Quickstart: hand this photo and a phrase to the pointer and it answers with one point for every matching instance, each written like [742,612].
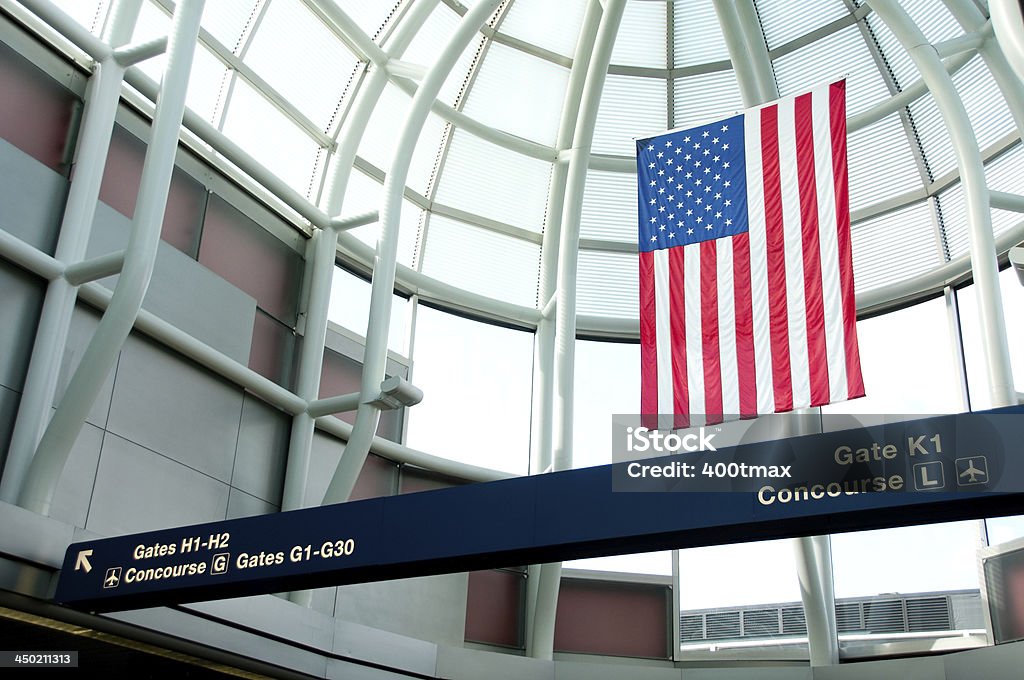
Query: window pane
[596,400]
[1013,303]
[476,382]
[720,601]
[904,560]
[908,363]
[350,307]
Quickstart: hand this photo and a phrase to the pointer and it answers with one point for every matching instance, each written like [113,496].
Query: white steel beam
[972,171]
[386,257]
[102,96]
[98,358]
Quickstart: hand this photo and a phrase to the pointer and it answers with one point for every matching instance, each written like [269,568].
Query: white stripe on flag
[727,330]
[795,303]
[835,341]
[758,263]
[694,332]
[663,302]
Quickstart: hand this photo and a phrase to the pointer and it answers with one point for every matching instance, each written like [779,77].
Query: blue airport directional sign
[589,512]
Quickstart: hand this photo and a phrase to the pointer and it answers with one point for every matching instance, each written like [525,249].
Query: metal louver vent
[793,621]
[723,625]
[931,613]
[848,617]
[760,622]
[884,616]
[691,627]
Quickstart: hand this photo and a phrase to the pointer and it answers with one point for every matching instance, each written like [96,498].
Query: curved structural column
[322,250]
[139,259]
[102,96]
[542,601]
[385,258]
[542,635]
[979,216]
[749,54]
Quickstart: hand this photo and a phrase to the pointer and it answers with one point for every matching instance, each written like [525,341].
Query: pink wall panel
[494,607]
[614,619]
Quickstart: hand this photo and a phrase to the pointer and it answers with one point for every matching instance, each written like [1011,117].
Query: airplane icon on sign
[973,470]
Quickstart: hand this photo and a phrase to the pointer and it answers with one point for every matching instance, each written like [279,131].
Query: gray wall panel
[262,450]
[752,673]
[83,325]
[926,668]
[241,504]
[31,198]
[138,490]
[324,456]
[428,608]
[467,664]
[387,649]
[9,400]
[169,405]
[183,292]
[1002,661]
[20,301]
[74,490]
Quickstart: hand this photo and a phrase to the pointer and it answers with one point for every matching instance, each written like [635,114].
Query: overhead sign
[566,515]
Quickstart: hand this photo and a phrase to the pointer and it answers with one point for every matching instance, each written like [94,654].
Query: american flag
[746,274]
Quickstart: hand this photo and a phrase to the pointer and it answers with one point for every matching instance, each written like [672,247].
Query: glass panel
[608,284]
[271,138]
[698,35]
[875,176]
[228,20]
[312,78]
[370,16]
[878,573]
[482,261]
[596,401]
[1004,529]
[488,180]
[553,26]
[630,108]
[1013,302]
[717,595]
[89,13]
[350,307]
[496,98]
[894,247]
[933,135]
[908,363]
[642,36]
[782,22]
[431,39]
[609,206]
[843,52]
[476,380]
[705,97]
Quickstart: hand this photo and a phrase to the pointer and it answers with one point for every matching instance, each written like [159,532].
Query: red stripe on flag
[709,331]
[648,341]
[680,386]
[817,356]
[745,365]
[837,117]
[778,316]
